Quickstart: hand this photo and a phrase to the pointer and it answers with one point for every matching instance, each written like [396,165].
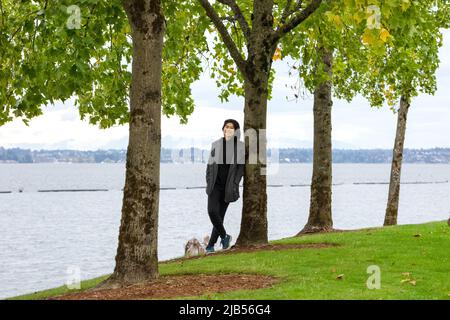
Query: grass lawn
[414,261]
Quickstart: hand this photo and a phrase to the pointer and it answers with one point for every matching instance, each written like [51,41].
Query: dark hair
[234,122]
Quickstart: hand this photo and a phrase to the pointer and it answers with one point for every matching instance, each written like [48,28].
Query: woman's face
[228,130]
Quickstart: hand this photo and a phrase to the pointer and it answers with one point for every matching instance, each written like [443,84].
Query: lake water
[44,235]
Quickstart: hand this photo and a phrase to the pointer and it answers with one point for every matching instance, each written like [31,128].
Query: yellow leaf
[337,20]
[404,280]
[367,38]
[384,34]
[277,54]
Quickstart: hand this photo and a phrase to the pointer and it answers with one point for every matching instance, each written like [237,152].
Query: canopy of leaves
[409,64]
[369,40]
[364,36]
[53,50]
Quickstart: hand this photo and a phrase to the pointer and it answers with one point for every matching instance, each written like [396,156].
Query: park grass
[414,261]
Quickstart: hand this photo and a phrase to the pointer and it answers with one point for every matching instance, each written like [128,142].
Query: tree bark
[254,209]
[261,48]
[396,166]
[320,211]
[137,257]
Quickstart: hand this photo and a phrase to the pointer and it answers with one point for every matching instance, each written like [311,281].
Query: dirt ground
[167,287]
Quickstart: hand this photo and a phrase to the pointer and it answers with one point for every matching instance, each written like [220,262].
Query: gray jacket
[236,171]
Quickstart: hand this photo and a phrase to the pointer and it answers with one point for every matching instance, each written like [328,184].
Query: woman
[224,171]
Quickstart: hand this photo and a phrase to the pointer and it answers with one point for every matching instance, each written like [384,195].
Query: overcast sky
[290,123]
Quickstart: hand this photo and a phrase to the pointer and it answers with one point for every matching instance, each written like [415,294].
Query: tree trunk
[254,210]
[396,167]
[320,217]
[261,48]
[137,258]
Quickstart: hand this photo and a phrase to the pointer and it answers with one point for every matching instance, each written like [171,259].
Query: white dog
[194,248]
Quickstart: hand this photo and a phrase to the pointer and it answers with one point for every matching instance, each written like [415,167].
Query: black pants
[216,210]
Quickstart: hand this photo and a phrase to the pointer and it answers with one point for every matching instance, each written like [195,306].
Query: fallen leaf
[417,235]
[340,276]
[406,274]
[404,280]
[413,282]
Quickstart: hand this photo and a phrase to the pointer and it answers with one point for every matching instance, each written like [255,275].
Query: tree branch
[20,27]
[296,20]
[228,18]
[3,14]
[286,12]
[298,5]
[228,41]
[287,9]
[239,16]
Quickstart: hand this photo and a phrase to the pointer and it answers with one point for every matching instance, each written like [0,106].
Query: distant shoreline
[196,155]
